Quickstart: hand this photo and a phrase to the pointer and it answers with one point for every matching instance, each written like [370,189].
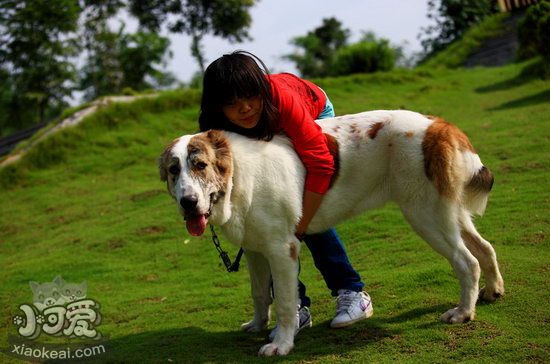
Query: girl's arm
[311,203]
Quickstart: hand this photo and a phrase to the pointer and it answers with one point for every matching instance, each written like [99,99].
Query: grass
[88,204]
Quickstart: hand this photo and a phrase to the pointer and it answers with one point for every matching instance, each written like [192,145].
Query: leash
[231,267]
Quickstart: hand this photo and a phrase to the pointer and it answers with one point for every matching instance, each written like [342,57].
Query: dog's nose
[189,202]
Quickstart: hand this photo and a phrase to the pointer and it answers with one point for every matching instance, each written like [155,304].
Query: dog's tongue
[196,224]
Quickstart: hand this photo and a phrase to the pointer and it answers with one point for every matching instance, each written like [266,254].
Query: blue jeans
[329,254]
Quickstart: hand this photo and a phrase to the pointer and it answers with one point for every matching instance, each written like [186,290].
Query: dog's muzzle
[195,221]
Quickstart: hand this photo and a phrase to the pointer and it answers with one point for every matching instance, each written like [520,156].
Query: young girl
[240,96]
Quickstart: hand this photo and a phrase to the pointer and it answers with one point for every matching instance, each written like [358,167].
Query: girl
[240,96]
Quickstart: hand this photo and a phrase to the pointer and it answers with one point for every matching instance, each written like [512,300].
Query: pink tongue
[196,224]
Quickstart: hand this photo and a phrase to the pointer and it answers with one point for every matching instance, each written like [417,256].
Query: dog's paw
[274,349]
[457,316]
[491,294]
[254,326]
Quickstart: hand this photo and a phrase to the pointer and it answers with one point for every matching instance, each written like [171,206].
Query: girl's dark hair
[237,75]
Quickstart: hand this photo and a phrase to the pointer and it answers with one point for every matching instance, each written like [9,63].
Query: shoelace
[343,302]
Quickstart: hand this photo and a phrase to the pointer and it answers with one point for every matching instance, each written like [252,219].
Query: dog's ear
[163,169]
[164,159]
[217,138]
[220,144]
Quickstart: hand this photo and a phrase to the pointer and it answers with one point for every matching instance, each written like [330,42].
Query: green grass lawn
[88,204]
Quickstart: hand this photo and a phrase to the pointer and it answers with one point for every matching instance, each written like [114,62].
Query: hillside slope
[87,204]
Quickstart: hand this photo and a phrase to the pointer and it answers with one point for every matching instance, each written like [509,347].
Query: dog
[253,190]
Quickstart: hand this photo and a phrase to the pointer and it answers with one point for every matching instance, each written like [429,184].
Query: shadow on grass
[419,312]
[538,98]
[505,85]
[196,345]
[530,72]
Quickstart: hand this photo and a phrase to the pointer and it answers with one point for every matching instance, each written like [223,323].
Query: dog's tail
[455,169]
[477,191]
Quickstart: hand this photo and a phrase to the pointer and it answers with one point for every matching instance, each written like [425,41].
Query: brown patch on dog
[209,156]
[374,129]
[409,134]
[353,129]
[293,252]
[333,148]
[439,147]
[165,159]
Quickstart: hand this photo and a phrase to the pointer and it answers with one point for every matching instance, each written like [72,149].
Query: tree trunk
[196,51]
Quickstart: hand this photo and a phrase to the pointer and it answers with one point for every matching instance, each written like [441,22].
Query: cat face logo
[56,293]
[59,308]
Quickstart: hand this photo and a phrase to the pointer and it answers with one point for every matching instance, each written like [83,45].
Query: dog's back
[400,156]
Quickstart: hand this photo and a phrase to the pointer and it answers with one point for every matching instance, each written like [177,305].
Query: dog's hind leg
[437,224]
[260,282]
[486,256]
[283,260]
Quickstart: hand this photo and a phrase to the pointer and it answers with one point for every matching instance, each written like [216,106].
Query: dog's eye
[201,165]
[174,170]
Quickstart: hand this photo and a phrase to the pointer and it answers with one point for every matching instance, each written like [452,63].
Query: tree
[534,32]
[117,61]
[368,55]
[37,40]
[100,75]
[318,47]
[452,18]
[139,54]
[228,19]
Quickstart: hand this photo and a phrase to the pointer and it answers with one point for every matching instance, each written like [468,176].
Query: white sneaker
[303,320]
[351,307]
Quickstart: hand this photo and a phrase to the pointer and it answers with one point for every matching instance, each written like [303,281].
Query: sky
[276,22]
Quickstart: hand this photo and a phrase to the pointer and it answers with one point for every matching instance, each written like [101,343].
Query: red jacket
[299,103]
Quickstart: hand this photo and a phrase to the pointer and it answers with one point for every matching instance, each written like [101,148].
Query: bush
[364,57]
[534,32]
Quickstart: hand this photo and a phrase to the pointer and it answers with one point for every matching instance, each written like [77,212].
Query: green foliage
[101,215]
[318,47]
[456,53]
[142,56]
[364,57]
[37,39]
[325,52]
[452,19]
[117,61]
[534,31]
[228,19]
[39,45]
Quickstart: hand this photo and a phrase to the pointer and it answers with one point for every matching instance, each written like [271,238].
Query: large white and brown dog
[253,190]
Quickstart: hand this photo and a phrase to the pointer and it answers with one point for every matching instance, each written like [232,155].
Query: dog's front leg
[283,260]
[260,282]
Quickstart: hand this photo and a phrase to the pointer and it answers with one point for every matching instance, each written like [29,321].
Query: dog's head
[198,169]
